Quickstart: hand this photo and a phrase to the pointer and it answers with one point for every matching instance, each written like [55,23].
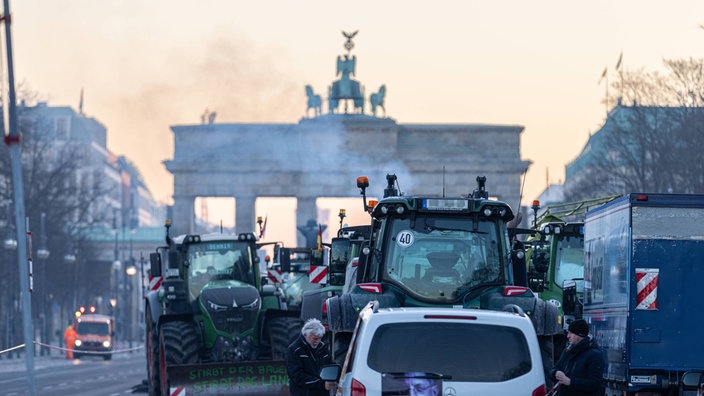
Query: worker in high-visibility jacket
[69,339]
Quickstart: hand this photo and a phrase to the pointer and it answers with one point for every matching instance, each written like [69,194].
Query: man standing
[69,339]
[304,359]
[579,370]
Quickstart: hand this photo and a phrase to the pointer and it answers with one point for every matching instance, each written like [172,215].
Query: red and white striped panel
[275,276]
[155,283]
[647,288]
[177,392]
[318,274]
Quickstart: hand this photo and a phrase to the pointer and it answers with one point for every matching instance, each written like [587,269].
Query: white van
[441,352]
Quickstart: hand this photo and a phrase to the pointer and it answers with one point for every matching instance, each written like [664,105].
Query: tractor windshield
[569,260]
[439,257]
[219,260]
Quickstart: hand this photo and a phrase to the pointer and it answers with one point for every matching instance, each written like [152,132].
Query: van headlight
[106,344]
[78,343]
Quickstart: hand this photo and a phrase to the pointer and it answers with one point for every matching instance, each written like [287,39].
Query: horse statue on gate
[377,100]
[314,101]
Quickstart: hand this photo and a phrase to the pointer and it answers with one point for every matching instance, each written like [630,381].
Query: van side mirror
[330,372]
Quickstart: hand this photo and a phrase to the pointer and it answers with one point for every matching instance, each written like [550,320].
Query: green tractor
[344,251]
[212,312]
[555,254]
[436,251]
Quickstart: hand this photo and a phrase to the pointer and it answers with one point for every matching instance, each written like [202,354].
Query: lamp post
[130,271]
[9,243]
[115,301]
[69,259]
[42,255]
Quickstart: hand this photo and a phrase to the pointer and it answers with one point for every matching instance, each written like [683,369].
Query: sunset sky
[147,65]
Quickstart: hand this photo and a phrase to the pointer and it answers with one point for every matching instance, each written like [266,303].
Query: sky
[147,65]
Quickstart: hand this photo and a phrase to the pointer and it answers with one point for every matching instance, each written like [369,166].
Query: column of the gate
[183,221]
[244,213]
[306,210]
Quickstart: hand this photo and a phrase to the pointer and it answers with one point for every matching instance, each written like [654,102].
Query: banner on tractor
[247,378]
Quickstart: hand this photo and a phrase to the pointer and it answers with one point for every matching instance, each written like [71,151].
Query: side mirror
[691,380]
[330,372]
[155,264]
[569,297]
[285,259]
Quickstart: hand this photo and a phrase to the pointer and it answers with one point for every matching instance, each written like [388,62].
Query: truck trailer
[644,263]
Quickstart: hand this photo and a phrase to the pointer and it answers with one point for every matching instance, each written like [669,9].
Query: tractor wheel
[340,345]
[152,347]
[282,332]
[178,344]
[546,351]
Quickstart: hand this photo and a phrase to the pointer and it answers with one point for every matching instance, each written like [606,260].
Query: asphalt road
[89,376]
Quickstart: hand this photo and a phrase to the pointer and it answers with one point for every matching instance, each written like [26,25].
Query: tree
[653,145]
[58,184]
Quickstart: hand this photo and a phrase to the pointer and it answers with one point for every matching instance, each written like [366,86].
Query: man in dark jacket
[304,359]
[580,368]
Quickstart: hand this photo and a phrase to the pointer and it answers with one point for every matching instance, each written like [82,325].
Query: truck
[643,270]
[213,323]
[95,335]
[437,251]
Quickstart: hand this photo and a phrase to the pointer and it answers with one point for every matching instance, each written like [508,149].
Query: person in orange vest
[69,339]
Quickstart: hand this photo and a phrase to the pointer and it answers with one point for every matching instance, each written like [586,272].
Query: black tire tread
[283,331]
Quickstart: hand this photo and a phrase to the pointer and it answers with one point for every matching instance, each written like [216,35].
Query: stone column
[306,211]
[244,214]
[183,215]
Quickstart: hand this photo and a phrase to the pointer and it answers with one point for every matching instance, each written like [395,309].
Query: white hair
[313,326]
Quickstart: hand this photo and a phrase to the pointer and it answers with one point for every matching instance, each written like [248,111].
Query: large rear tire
[340,346]
[152,348]
[283,331]
[547,353]
[178,344]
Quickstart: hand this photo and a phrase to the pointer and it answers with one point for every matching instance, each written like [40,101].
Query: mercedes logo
[450,392]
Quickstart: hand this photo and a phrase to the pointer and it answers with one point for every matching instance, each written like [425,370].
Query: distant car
[441,351]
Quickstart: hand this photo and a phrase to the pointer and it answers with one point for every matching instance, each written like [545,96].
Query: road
[90,376]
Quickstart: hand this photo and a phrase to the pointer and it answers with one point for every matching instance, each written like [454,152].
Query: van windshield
[93,328]
[462,352]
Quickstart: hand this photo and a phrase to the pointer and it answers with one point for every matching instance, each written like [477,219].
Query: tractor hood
[233,306]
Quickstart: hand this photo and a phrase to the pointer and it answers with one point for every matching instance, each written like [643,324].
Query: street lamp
[42,255]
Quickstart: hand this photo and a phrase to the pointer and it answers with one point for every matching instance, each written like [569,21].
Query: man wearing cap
[579,370]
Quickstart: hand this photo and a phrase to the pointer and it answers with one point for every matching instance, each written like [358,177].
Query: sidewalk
[11,363]
[40,362]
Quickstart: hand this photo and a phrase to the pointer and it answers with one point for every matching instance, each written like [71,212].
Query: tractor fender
[312,303]
[546,318]
[152,302]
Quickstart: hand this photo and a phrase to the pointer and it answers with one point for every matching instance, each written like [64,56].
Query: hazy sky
[147,65]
